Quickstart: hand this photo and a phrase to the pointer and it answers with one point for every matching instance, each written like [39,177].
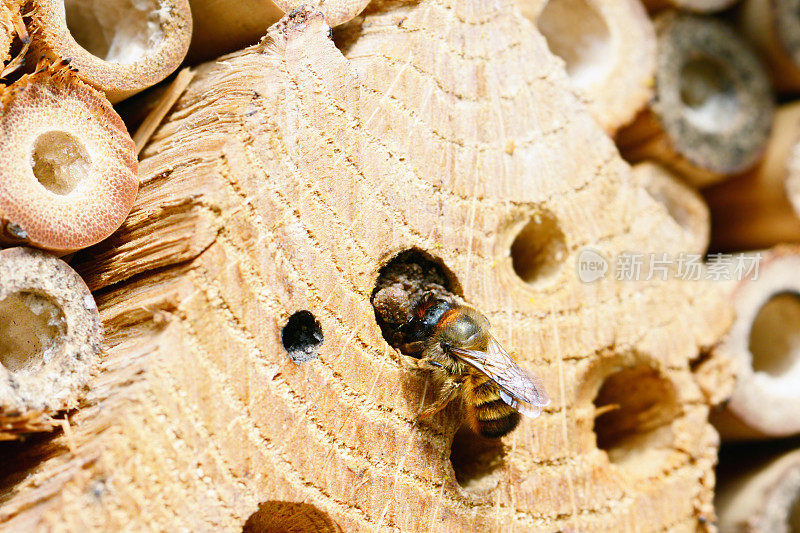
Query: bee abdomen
[490,415]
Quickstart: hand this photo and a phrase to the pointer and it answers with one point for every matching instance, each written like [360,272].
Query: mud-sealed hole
[539,249]
[477,461]
[289,517]
[32,329]
[635,408]
[775,336]
[400,288]
[579,35]
[302,337]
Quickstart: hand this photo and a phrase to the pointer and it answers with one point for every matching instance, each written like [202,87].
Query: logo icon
[591,266]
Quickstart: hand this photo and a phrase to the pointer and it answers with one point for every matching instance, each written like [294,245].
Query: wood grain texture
[296,171]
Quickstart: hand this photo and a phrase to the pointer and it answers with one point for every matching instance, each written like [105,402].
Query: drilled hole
[477,461]
[636,406]
[775,335]
[289,517]
[400,287]
[122,31]
[577,33]
[708,93]
[302,337]
[32,328]
[539,250]
[59,161]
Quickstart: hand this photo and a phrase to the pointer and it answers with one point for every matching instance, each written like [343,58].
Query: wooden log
[68,175]
[774,29]
[761,208]
[51,340]
[283,181]
[765,345]
[759,492]
[712,110]
[609,51]
[118,47]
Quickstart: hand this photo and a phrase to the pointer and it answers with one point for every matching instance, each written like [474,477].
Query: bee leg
[446,394]
[411,362]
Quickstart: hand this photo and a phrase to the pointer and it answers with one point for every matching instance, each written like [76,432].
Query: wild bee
[453,341]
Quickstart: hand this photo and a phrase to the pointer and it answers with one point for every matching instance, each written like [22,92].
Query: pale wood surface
[284,178]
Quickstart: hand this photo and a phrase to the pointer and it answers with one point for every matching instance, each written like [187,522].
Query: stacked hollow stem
[68,176]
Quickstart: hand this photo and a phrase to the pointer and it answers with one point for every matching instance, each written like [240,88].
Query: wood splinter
[609,50]
[118,47]
[761,208]
[49,340]
[764,341]
[712,110]
[68,169]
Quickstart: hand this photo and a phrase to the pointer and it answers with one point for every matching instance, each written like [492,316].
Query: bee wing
[518,388]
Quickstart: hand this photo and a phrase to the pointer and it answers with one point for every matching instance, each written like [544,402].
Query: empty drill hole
[577,33]
[282,517]
[123,31]
[59,161]
[31,331]
[637,406]
[302,337]
[775,335]
[539,249]
[708,93]
[477,461]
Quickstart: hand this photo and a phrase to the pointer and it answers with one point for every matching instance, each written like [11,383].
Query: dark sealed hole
[539,248]
[775,335]
[302,337]
[289,517]
[635,408]
[401,286]
[477,461]
[708,93]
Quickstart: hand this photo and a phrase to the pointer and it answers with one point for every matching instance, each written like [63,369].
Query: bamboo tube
[760,494]
[609,50]
[764,341]
[221,26]
[712,111]
[683,204]
[697,6]
[118,47]
[68,173]
[773,27]
[49,340]
[762,207]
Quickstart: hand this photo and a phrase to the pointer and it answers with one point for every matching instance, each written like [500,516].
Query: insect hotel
[399,265]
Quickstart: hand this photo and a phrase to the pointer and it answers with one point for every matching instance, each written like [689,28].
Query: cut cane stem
[49,340]
[773,27]
[609,50]
[713,107]
[764,343]
[118,47]
[68,176]
[762,207]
